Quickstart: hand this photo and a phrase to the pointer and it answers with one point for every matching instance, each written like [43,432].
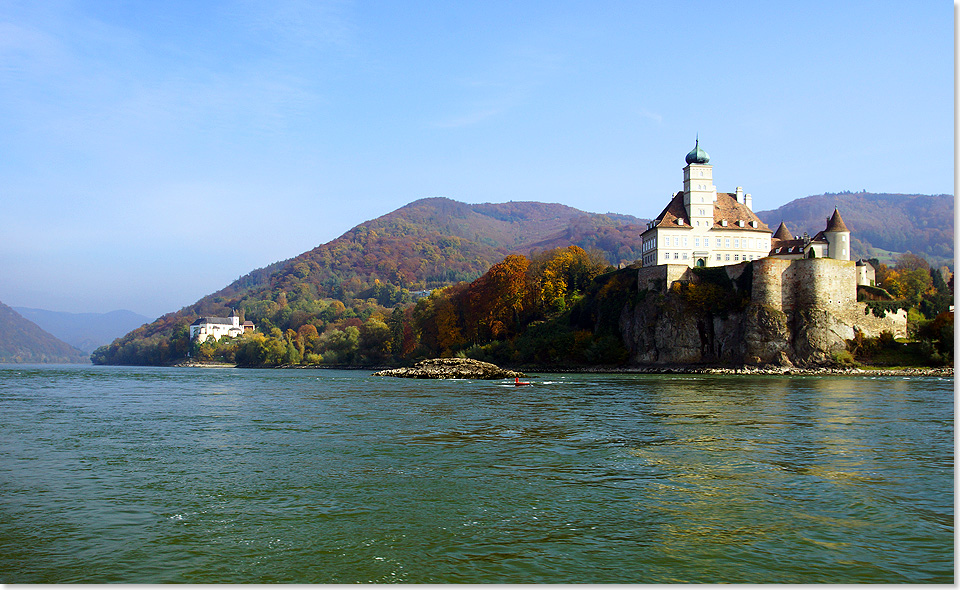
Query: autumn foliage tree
[505,300]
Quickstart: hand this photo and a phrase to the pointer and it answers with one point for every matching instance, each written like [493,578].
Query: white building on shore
[217,328]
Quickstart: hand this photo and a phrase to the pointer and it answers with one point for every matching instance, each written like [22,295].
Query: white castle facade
[217,328]
[703,227]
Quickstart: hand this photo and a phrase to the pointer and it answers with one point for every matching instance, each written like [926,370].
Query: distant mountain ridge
[879,222]
[85,331]
[22,341]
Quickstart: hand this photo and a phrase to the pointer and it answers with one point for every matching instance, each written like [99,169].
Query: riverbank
[660,370]
[818,371]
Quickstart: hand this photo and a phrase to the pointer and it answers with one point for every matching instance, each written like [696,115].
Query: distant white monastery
[701,227]
[216,328]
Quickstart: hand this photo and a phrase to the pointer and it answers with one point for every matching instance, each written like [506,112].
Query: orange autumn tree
[491,305]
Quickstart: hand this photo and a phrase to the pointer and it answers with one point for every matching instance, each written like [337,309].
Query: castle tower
[783,233]
[838,237]
[699,193]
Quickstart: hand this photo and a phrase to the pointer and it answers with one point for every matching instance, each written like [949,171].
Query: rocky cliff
[712,317]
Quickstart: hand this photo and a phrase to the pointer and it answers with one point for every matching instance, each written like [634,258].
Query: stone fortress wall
[823,283]
[795,288]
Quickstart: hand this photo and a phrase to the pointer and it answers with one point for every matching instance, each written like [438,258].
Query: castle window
[696,242]
[718,244]
[676,255]
[718,257]
[736,258]
[736,243]
[685,241]
[684,255]
[727,242]
[726,257]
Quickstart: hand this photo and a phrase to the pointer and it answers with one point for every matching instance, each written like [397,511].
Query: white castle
[701,227]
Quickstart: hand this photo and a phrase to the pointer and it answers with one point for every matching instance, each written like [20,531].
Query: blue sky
[152,152]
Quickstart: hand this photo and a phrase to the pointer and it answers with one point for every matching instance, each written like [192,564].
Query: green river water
[151,475]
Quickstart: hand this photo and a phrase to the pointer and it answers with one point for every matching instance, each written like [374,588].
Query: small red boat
[518,383]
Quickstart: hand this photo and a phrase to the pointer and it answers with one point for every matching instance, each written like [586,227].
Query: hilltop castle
[701,227]
[802,290]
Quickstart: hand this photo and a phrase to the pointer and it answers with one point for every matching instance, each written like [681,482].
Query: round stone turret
[697,155]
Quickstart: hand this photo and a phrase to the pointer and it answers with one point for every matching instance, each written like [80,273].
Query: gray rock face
[664,331]
[452,368]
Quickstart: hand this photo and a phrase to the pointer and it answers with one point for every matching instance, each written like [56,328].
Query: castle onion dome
[697,155]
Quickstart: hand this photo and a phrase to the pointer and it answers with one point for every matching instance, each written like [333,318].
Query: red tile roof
[726,208]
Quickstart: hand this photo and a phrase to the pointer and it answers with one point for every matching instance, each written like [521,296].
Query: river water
[148,475]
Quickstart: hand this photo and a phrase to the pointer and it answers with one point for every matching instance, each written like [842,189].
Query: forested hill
[22,341]
[429,243]
[432,243]
[437,241]
[350,287]
[879,222]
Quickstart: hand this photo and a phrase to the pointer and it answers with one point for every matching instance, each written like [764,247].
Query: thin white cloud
[655,117]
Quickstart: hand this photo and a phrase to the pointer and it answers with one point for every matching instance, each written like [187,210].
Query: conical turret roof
[783,233]
[836,222]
